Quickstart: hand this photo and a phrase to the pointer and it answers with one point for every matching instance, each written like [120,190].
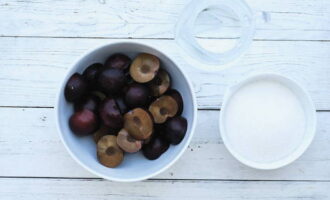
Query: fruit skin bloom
[83,122]
[111,81]
[75,88]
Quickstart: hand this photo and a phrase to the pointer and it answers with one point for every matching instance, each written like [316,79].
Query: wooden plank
[285,20]
[32,68]
[156,190]
[30,147]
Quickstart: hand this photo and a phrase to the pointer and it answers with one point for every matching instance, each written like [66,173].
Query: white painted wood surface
[288,20]
[32,148]
[39,40]
[32,68]
[154,190]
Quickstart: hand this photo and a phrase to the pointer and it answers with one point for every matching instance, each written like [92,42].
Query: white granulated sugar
[264,121]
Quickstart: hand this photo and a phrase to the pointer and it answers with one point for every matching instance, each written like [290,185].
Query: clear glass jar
[231,19]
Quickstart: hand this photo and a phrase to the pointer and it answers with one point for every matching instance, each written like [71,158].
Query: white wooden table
[39,39]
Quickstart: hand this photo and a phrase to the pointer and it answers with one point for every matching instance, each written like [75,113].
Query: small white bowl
[134,167]
[310,115]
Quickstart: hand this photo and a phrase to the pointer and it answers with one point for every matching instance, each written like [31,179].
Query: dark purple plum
[83,122]
[175,129]
[75,88]
[121,105]
[128,77]
[110,114]
[90,102]
[111,81]
[159,130]
[118,61]
[178,98]
[137,95]
[155,148]
[91,72]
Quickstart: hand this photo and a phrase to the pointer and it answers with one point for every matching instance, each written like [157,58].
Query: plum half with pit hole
[127,143]
[108,152]
[110,114]
[111,81]
[160,83]
[144,67]
[83,122]
[175,129]
[163,108]
[118,61]
[90,102]
[137,95]
[91,72]
[178,98]
[138,123]
[155,148]
[128,105]
[75,88]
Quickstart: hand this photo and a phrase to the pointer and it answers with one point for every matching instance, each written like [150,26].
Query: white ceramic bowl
[134,167]
[310,124]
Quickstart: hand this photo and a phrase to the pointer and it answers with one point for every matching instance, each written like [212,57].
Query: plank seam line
[146,38]
[157,179]
[51,107]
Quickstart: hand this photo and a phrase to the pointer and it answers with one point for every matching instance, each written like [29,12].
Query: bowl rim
[69,72]
[305,143]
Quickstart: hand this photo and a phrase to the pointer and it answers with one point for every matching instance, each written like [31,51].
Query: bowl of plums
[126,111]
